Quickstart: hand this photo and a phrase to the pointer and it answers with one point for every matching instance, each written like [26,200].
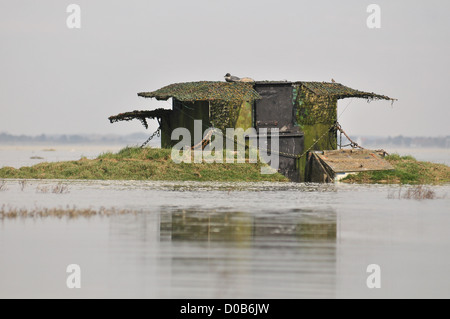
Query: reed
[419,192]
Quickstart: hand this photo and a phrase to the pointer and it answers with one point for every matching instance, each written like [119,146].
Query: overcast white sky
[66,81]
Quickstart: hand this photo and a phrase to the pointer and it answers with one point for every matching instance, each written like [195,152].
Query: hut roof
[205,91]
[340,91]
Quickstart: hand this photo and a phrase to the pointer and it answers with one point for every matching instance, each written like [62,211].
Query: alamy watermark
[74,279]
[374,279]
[264,140]
[374,19]
[73,21]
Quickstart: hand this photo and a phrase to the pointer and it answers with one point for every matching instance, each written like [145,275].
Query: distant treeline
[403,141]
[139,138]
[136,138]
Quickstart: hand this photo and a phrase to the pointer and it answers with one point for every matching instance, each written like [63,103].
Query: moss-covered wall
[244,119]
[315,115]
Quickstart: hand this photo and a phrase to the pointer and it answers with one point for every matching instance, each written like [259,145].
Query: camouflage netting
[142,116]
[339,91]
[314,109]
[224,114]
[205,91]
[316,102]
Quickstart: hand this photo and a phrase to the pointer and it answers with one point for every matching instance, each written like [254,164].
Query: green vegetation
[132,163]
[407,171]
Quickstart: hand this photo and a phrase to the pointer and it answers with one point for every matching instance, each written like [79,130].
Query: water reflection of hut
[192,225]
[205,253]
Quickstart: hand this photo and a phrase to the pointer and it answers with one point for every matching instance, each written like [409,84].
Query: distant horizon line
[150,132]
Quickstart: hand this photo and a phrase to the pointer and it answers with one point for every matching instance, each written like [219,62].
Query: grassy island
[133,163]
[407,171]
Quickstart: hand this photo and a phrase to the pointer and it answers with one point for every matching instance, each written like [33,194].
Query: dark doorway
[274,109]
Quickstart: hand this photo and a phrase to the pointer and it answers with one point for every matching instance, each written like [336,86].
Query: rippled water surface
[225,240]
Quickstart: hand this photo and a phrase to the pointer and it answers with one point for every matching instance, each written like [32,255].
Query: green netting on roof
[205,91]
[340,91]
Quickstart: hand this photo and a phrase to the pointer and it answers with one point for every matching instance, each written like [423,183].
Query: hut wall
[183,115]
[166,132]
[244,119]
[315,115]
[222,115]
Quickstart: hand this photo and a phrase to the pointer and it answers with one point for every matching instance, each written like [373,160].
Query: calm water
[226,240]
[23,155]
[222,240]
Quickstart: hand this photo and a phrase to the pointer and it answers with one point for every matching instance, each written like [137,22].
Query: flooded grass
[407,170]
[3,185]
[419,192]
[69,212]
[59,188]
[22,184]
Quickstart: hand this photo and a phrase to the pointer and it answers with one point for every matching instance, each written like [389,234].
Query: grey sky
[57,80]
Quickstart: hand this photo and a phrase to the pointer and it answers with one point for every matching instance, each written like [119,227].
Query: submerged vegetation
[60,188]
[407,170]
[3,186]
[418,192]
[133,163]
[69,212]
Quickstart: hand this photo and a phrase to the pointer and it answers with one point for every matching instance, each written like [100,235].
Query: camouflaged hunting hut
[304,112]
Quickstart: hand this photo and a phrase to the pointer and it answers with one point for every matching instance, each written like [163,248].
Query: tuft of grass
[3,186]
[407,170]
[419,192]
[59,188]
[134,163]
[22,184]
[42,189]
[397,157]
